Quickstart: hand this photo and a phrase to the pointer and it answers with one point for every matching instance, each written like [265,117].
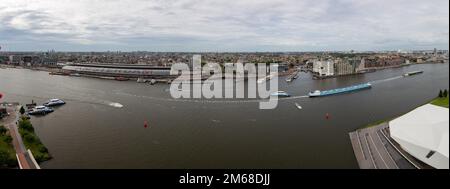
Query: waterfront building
[349,66]
[324,68]
[110,70]
[343,68]
[424,134]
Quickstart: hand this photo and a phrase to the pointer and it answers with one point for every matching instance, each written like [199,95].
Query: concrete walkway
[375,149]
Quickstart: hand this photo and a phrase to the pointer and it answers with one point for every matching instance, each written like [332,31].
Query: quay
[375,149]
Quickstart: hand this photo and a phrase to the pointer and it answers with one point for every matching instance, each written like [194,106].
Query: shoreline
[25,142]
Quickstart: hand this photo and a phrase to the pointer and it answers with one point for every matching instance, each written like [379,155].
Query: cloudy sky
[223,25]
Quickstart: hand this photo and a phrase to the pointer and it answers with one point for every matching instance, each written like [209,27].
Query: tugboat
[54,102]
[40,110]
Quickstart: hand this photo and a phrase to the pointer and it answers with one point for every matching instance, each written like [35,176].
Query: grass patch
[7,152]
[32,141]
[377,123]
[443,102]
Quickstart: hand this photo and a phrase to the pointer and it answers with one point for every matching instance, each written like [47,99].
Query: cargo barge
[340,90]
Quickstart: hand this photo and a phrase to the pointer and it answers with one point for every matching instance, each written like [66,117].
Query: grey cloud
[249,25]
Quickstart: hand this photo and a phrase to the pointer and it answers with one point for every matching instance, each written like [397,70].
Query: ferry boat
[40,110]
[319,93]
[280,94]
[54,102]
[412,73]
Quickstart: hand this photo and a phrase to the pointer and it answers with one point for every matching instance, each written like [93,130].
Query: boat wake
[386,80]
[206,100]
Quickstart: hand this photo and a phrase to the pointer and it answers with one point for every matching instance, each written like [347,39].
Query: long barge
[412,73]
[353,88]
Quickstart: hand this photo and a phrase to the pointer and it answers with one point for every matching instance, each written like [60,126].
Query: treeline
[7,152]
[32,141]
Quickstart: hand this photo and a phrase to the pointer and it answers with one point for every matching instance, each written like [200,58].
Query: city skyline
[221,26]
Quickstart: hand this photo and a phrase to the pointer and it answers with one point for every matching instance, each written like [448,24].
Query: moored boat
[40,110]
[121,79]
[54,102]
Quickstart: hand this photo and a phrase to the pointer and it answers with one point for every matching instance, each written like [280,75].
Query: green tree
[445,93]
[2,130]
[4,158]
[42,149]
[26,125]
[29,138]
[22,110]
[8,139]
[441,94]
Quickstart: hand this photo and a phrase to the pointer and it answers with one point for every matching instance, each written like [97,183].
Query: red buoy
[1,95]
[145,124]
[327,116]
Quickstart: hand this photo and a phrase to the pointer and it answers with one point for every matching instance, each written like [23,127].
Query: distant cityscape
[144,64]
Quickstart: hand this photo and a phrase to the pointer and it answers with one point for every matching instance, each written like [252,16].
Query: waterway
[102,124]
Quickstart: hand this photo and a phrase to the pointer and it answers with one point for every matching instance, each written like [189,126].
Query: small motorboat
[280,94]
[298,106]
[54,102]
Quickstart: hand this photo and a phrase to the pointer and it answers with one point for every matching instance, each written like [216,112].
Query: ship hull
[341,90]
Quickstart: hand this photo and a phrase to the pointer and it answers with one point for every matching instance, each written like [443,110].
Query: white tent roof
[423,130]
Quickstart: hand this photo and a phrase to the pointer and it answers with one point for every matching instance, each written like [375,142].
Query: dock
[375,149]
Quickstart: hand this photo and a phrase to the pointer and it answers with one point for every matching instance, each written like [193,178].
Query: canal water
[102,125]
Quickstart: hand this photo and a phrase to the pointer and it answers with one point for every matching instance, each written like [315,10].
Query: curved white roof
[424,133]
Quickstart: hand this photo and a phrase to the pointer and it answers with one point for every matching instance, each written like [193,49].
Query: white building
[324,68]
[423,133]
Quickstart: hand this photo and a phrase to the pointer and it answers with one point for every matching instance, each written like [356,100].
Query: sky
[223,25]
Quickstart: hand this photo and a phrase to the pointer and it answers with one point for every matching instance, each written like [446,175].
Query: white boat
[141,80]
[298,106]
[40,110]
[54,102]
[280,94]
